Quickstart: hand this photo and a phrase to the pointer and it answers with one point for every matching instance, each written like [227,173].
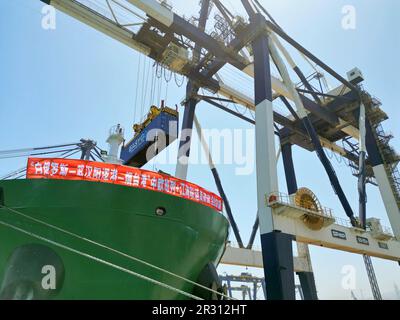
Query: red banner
[69,169]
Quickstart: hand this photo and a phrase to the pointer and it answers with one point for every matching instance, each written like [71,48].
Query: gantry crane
[318,120]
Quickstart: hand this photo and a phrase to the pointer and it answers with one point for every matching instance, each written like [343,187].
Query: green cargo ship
[91,235]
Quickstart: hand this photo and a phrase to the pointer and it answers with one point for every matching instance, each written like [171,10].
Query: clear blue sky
[74,82]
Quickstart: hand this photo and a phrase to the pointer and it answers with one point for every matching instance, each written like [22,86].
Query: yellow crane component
[153,113]
[306,199]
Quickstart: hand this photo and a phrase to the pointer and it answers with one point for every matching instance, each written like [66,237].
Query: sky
[57,86]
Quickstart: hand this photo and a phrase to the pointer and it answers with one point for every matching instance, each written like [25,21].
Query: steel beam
[288,166]
[253,233]
[335,236]
[220,106]
[166,18]
[295,67]
[385,189]
[190,105]
[312,133]
[253,258]
[276,246]
[186,132]
[278,265]
[307,280]
[218,183]
[309,55]
[93,19]
[362,170]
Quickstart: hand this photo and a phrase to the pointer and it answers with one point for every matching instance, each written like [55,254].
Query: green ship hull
[78,226]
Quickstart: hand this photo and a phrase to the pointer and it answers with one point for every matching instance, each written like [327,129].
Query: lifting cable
[152,86]
[157,76]
[166,91]
[266,13]
[168,79]
[226,105]
[179,84]
[38,148]
[338,158]
[35,154]
[13,173]
[64,154]
[110,249]
[253,116]
[137,87]
[144,87]
[160,82]
[159,70]
[22,171]
[98,151]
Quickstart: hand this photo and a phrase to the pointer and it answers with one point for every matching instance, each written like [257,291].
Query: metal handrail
[287,200]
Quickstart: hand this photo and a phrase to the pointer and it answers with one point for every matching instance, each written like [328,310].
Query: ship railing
[116,130]
[385,229]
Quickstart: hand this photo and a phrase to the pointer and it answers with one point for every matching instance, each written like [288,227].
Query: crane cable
[179,84]
[145,82]
[38,148]
[168,79]
[35,154]
[137,87]
[149,67]
[160,83]
[17,212]
[17,173]
[152,86]
[166,91]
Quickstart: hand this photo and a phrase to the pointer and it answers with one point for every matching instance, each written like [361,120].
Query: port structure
[249,285]
[345,120]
